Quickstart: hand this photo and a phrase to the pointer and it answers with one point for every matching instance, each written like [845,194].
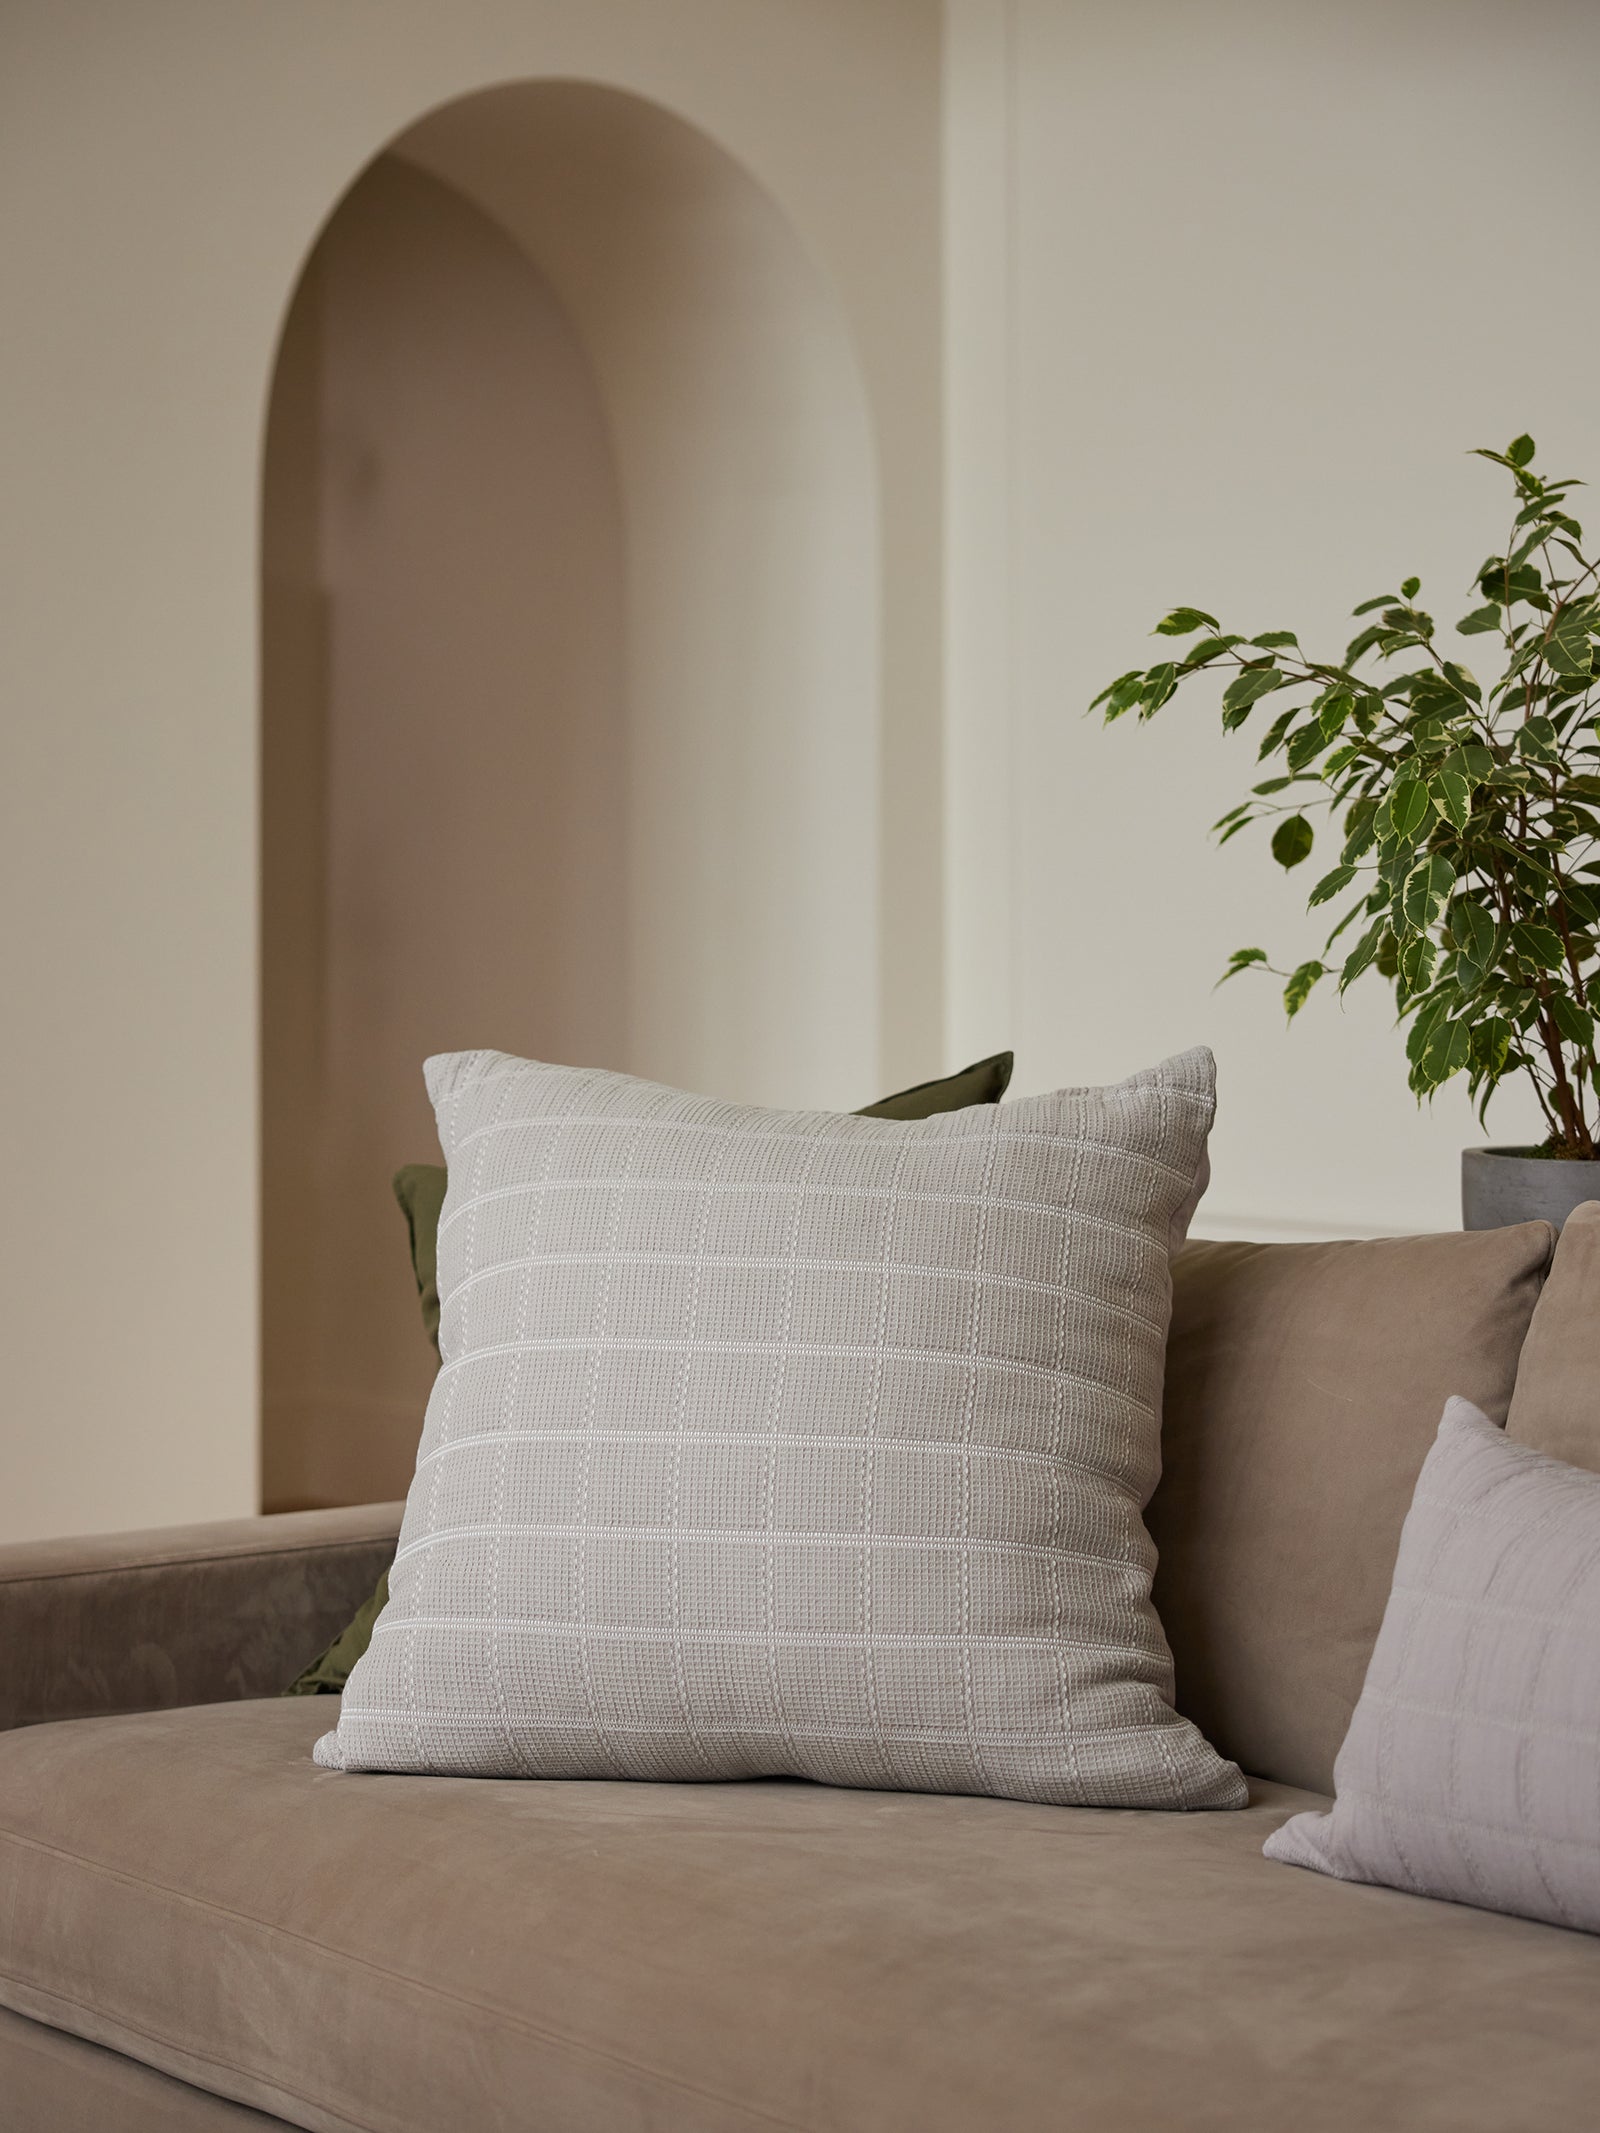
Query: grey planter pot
[1501,1185]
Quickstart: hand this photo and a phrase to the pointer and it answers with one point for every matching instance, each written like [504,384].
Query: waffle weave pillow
[1470,1768]
[778,1442]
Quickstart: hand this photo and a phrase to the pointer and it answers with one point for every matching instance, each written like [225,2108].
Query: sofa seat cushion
[403,1953]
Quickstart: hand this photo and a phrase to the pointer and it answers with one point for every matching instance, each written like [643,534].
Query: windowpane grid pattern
[1471,1769]
[793,1443]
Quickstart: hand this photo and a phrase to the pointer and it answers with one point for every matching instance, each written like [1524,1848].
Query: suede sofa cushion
[783,1442]
[420,1190]
[1469,1771]
[1555,1407]
[424,1955]
[53,2082]
[1304,1386]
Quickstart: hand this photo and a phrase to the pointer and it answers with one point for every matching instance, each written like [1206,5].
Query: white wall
[1234,287]
[164,171]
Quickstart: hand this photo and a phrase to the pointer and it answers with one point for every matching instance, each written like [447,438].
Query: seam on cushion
[193,1562]
[604,2053]
[177,2050]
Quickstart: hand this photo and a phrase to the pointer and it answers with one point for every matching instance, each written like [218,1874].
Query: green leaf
[1209,648]
[1360,829]
[1241,959]
[1540,945]
[1536,739]
[1463,681]
[1406,810]
[1305,746]
[1447,1051]
[1184,621]
[1410,589]
[1480,621]
[1330,885]
[1248,688]
[1474,933]
[1566,646]
[1358,647]
[1426,891]
[1490,1042]
[1471,762]
[1159,685]
[1507,583]
[1276,731]
[1298,990]
[1333,711]
[1378,600]
[1270,640]
[1520,450]
[1415,962]
[1292,841]
[1452,796]
[1363,953]
[1575,1023]
[1428,1017]
[1122,695]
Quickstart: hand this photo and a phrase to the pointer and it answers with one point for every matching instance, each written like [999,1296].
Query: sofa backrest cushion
[1304,1387]
[1556,1404]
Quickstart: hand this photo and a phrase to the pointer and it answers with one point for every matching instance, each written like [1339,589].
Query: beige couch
[198,1929]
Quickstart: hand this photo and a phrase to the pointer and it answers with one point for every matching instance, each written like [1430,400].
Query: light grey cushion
[1470,1768]
[784,1442]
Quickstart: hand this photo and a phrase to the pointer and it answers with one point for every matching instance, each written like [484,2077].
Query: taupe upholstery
[415,1955]
[187,1614]
[419,1955]
[1556,1406]
[1304,1386]
[51,2082]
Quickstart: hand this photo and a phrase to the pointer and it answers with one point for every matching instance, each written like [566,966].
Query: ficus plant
[1465,814]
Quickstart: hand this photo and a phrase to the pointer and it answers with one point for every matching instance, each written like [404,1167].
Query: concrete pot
[1501,1185]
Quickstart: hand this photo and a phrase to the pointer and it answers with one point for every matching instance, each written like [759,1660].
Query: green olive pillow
[420,1190]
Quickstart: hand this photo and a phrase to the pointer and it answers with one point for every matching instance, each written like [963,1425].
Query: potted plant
[1466,815]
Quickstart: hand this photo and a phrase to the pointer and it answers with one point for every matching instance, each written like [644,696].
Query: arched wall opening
[571,698]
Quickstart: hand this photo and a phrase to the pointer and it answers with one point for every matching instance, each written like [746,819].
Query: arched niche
[571,722]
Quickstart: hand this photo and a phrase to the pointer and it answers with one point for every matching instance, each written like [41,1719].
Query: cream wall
[163,173]
[747,461]
[1227,299]
[444,850]
[1232,289]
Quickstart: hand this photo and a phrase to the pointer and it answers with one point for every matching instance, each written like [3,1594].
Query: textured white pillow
[1471,1769]
[785,1442]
